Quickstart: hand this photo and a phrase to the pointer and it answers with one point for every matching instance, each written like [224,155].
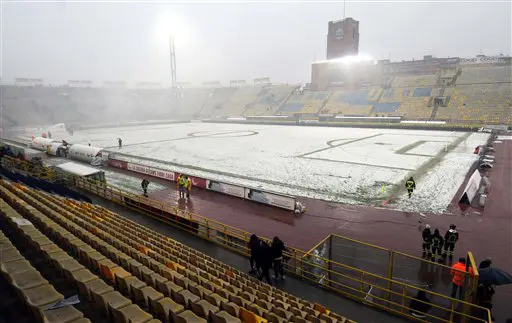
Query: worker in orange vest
[458,274]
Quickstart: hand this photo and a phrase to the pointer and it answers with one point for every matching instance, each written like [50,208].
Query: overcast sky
[224,41]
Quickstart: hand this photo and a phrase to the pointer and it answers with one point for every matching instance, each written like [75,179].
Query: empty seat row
[93,287]
[202,285]
[35,291]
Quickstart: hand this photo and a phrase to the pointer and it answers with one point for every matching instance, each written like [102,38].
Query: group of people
[265,256]
[421,304]
[436,247]
[184,184]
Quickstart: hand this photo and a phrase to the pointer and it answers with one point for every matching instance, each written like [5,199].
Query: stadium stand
[304,103]
[469,93]
[269,100]
[237,103]
[487,74]
[415,81]
[134,274]
[482,102]
[352,103]
[215,101]
[187,103]
[411,103]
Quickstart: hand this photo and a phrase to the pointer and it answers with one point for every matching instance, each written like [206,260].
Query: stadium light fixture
[171,25]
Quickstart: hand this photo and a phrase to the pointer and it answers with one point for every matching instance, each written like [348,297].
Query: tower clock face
[339,33]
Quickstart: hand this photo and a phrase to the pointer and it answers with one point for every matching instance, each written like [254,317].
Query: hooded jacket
[427,236]
[451,236]
[277,249]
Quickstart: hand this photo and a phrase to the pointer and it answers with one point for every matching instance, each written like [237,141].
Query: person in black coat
[265,258]
[485,291]
[254,245]
[437,246]
[144,185]
[277,256]
[427,241]
[420,305]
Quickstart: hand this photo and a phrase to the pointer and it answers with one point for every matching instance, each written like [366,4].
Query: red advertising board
[151,171]
[117,163]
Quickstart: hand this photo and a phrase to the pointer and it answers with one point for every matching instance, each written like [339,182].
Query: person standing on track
[410,185]
[144,186]
[450,238]
[188,186]
[427,241]
[181,185]
[437,246]
[119,143]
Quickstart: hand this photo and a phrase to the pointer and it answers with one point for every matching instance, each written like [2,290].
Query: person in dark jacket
[144,185]
[450,238]
[427,241]
[253,245]
[410,185]
[485,291]
[277,256]
[265,256]
[437,246]
[420,305]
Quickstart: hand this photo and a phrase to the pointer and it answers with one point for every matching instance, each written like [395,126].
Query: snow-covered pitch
[348,165]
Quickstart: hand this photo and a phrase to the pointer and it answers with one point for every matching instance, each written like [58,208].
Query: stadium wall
[247,193]
[411,126]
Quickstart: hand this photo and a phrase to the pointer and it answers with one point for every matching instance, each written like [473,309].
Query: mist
[126,42]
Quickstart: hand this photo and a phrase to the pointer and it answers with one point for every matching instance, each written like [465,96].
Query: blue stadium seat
[355,98]
[389,93]
[386,107]
[292,107]
[422,91]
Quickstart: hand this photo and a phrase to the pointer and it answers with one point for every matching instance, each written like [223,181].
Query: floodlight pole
[173,61]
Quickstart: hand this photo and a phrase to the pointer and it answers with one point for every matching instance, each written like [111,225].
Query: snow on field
[438,187]
[349,165]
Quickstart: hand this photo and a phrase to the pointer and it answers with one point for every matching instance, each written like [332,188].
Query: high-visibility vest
[458,273]
[182,180]
[410,184]
[188,184]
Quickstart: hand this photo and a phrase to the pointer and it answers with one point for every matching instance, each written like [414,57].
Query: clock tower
[342,38]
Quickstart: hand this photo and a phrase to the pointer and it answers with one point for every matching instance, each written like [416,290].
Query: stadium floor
[487,233]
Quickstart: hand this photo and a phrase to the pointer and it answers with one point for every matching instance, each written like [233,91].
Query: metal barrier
[332,270]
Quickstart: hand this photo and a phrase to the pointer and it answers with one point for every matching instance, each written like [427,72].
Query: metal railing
[373,289]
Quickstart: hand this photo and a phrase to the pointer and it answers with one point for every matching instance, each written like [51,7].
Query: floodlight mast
[172,52]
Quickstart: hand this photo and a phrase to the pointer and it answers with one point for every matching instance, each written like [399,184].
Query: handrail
[394,296]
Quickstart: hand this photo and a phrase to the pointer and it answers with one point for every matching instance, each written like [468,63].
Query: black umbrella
[495,276]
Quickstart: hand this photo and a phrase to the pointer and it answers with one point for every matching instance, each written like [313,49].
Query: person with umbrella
[489,277]
[484,291]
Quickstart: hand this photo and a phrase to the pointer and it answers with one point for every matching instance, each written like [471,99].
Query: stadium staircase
[126,271]
[327,99]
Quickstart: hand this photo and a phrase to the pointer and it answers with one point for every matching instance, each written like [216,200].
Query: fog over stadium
[59,41]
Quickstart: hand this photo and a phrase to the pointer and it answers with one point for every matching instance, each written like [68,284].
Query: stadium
[326,166]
